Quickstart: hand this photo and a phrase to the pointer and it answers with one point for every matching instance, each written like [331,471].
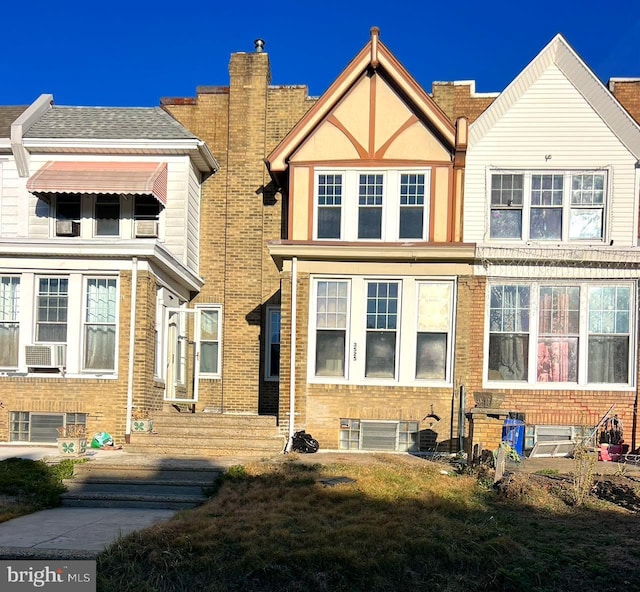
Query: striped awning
[129,178]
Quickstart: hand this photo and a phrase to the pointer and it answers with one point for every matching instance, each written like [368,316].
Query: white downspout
[132,347]
[292,368]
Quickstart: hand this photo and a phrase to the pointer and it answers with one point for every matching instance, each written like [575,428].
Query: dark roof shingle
[7,116]
[108,123]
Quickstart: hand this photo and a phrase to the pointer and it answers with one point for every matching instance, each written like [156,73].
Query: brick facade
[241,209]
[103,400]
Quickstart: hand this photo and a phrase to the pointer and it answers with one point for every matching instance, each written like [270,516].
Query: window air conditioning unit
[50,355]
[146,228]
[67,228]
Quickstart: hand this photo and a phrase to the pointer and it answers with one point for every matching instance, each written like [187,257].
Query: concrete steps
[202,435]
[134,482]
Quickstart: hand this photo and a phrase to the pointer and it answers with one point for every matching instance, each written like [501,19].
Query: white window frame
[583,336]
[201,308]
[36,298]
[11,310]
[84,323]
[567,207]
[350,206]
[268,342]
[356,330]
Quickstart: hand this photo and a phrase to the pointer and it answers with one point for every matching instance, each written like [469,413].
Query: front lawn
[400,525]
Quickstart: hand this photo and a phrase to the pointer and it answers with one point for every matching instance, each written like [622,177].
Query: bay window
[9,324]
[359,326]
[387,205]
[555,206]
[581,333]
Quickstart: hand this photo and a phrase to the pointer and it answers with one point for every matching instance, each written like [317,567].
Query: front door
[182,356]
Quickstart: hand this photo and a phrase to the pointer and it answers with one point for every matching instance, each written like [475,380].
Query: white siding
[176,212]
[193,220]
[10,199]
[551,118]
[38,209]
[173,231]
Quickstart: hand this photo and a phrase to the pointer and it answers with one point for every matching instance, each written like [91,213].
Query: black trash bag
[303,442]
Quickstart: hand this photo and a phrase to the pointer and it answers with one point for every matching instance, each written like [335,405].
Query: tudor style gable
[375,160]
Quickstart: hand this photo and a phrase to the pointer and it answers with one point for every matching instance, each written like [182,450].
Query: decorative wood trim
[290,200]
[405,126]
[377,162]
[372,113]
[311,193]
[451,207]
[333,120]
[432,205]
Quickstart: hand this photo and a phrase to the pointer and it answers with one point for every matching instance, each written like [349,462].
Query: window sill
[380,382]
[556,386]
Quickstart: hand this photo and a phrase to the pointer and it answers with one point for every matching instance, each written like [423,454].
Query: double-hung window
[210,331]
[359,325]
[370,194]
[434,325]
[68,215]
[100,324]
[52,305]
[331,310]
[107,215]
[371,205]
[541,333]
[412,194]
[554,206]
[382,329]
[9,324]
[329,200]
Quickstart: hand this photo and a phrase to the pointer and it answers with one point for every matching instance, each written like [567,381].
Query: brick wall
[628,93]
[459,100]
[241,210]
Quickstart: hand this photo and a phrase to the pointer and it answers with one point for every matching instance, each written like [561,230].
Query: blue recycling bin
[513,434]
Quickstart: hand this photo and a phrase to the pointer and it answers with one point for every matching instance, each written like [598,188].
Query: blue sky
[131,53]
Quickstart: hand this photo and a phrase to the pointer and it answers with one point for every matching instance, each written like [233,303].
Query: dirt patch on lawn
[622,491]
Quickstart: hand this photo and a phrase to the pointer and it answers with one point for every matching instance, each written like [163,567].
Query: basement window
[41,428]
[390,436]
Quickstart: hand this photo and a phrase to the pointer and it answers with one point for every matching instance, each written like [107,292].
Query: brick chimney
[627,91]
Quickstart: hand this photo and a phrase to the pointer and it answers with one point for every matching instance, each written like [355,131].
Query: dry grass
[275,527]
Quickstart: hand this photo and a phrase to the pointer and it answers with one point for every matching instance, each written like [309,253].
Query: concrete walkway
[83,531]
